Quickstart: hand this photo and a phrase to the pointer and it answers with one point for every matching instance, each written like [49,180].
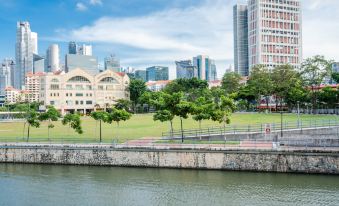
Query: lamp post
[298,114]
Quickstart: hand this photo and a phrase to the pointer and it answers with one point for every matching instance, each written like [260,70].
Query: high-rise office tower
[112,63]
[6,72]
[186,70]
[34,39]
[240,30]
[38,63]
[157,73]
[85,50]
[141,75]
[274,32]
[23,54]
[84,62]
[72,48]
[53,58]
[206,67]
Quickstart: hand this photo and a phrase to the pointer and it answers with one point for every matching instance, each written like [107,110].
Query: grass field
[140,126]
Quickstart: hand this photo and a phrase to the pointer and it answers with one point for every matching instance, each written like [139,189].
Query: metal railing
[269,128]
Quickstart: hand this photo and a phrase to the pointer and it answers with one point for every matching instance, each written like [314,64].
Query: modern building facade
[38,63]
[274,32]
[240,30]
[141,75]
[53,58]
[112,63]
[87,63]
[186,70]
[80,91]
[72,48]
[85,50]
[335,67]
[157,73]
[6,72]
[206,68]
[34,39]
[32,86]
[23,54]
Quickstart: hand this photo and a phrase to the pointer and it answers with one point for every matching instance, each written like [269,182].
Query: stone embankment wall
[240,160]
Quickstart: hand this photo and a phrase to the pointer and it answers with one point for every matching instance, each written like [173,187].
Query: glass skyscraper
[23,54]
[240,29]
[141,75]
[186,70]
[157,73]
[112,63]
[86,63]
[206,68]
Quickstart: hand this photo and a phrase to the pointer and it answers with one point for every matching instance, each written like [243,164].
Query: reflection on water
[81,185]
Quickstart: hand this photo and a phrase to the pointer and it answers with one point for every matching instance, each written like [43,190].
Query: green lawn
[140,126]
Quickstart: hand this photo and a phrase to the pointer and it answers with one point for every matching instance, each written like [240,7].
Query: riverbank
[311,160]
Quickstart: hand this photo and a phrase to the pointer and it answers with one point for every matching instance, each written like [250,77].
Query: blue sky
[154,32]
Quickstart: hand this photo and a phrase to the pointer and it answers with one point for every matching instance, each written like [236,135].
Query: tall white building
[6,70]
[274,32]
[34,38]
[53,58]
[85,50]
[23,54]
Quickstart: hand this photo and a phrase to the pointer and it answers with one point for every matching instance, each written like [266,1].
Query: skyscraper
[34,39]
[186,70]
[38,63]
[53,58]
[206,67]
[23,54]
[275,32]
[6,70]
[240,29]
[86,63]
[85,50]
[157,73]
[72,48]
[112,63]
[141,75]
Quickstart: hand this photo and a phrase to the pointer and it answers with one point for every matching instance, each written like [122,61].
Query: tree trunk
[100,132]
[171,131]
[200,129]
[28,133]
[23,132]
[49,122]
[182,131]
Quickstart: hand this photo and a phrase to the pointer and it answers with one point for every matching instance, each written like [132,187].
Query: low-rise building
[80,91]
[32,85]
[13,95]
[156,86]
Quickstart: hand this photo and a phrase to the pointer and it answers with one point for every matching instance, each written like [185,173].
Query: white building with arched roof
[79,91]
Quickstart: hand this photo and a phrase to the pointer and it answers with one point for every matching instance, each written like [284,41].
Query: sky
[144,33]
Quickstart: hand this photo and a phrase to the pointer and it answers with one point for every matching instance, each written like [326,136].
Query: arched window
[79,79]
[109,80]
[54,80]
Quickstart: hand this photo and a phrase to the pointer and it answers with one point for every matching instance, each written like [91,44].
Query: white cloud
[95,2]
[81,7]
[176,34]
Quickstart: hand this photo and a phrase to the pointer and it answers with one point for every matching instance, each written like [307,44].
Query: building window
[54,80]
[52,103]
[76,102]
[68,86]
[79,79]
[54,87]
[79,94]
[100,87]
[88,87]
[79,87]
[89,102]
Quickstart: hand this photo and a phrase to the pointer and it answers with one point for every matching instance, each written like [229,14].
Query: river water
[82,185]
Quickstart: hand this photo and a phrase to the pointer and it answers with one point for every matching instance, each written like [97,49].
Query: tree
[101,117]
[191,88]
[32,119]
[136,89]
[74,121]
[182,110]
[222,112]
[313,72]
[260,83]
[201,109]
[123,104]
[231,82]
[51,115]
[284,79]
[164,116]
[118,115]
[335,77]
[328,96]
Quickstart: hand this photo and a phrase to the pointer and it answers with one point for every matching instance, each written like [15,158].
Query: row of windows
[279,59]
